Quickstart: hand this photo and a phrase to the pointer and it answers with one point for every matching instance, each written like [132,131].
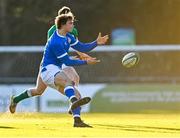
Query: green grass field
[105,125]
[144,123]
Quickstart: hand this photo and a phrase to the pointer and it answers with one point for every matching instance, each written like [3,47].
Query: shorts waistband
[43,69]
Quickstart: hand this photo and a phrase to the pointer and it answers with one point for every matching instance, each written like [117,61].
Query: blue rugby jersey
[57,47]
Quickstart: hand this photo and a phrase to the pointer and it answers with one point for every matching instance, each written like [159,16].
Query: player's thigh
[48,74]
[40,86]
[61,79]
[72,74]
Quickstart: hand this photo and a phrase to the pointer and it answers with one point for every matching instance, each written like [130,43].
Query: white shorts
[48,74]
[64,66]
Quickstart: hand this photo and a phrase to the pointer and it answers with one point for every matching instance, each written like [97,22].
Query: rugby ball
[130,59]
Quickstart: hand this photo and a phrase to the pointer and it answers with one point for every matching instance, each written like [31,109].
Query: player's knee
[62,80]
[69,83]
[37,92]
[61,89]
[77,77]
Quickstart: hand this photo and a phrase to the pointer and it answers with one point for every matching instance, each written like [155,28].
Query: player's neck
[62,32]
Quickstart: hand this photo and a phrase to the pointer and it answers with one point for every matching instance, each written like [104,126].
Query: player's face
[69,25]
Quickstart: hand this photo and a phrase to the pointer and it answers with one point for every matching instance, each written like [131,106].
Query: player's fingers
[97,61]
[75,57]
[88,56]
[99,34]
[106,37]
[94,58]
[84,54]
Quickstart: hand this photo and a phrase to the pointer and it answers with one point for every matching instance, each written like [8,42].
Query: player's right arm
[86,47]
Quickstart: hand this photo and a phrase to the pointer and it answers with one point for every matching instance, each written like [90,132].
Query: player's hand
[102,39]
[92,61]
[84,56]
[75,57]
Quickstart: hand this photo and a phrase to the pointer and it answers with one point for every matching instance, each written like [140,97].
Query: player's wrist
[85,62]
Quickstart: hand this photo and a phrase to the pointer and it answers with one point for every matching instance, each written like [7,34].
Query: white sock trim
[29,93]
[76,87]
[76,115]
[69,87]
[72,97]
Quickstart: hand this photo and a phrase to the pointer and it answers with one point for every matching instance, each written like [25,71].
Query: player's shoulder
[70,35]
[51,31]
[71,38]
[56,39]
[52,28]
[75,29]
[56,35]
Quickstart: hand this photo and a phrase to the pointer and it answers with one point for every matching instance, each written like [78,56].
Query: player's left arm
[86,47]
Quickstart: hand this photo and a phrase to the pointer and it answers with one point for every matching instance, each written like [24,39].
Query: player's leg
[77,93]
[41,86]
[38,90]
[73,76]
[62,80]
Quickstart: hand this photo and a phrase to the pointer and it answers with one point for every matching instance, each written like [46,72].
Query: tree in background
[25,22]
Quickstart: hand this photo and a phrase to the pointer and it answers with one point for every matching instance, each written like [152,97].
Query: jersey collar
[60,35]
